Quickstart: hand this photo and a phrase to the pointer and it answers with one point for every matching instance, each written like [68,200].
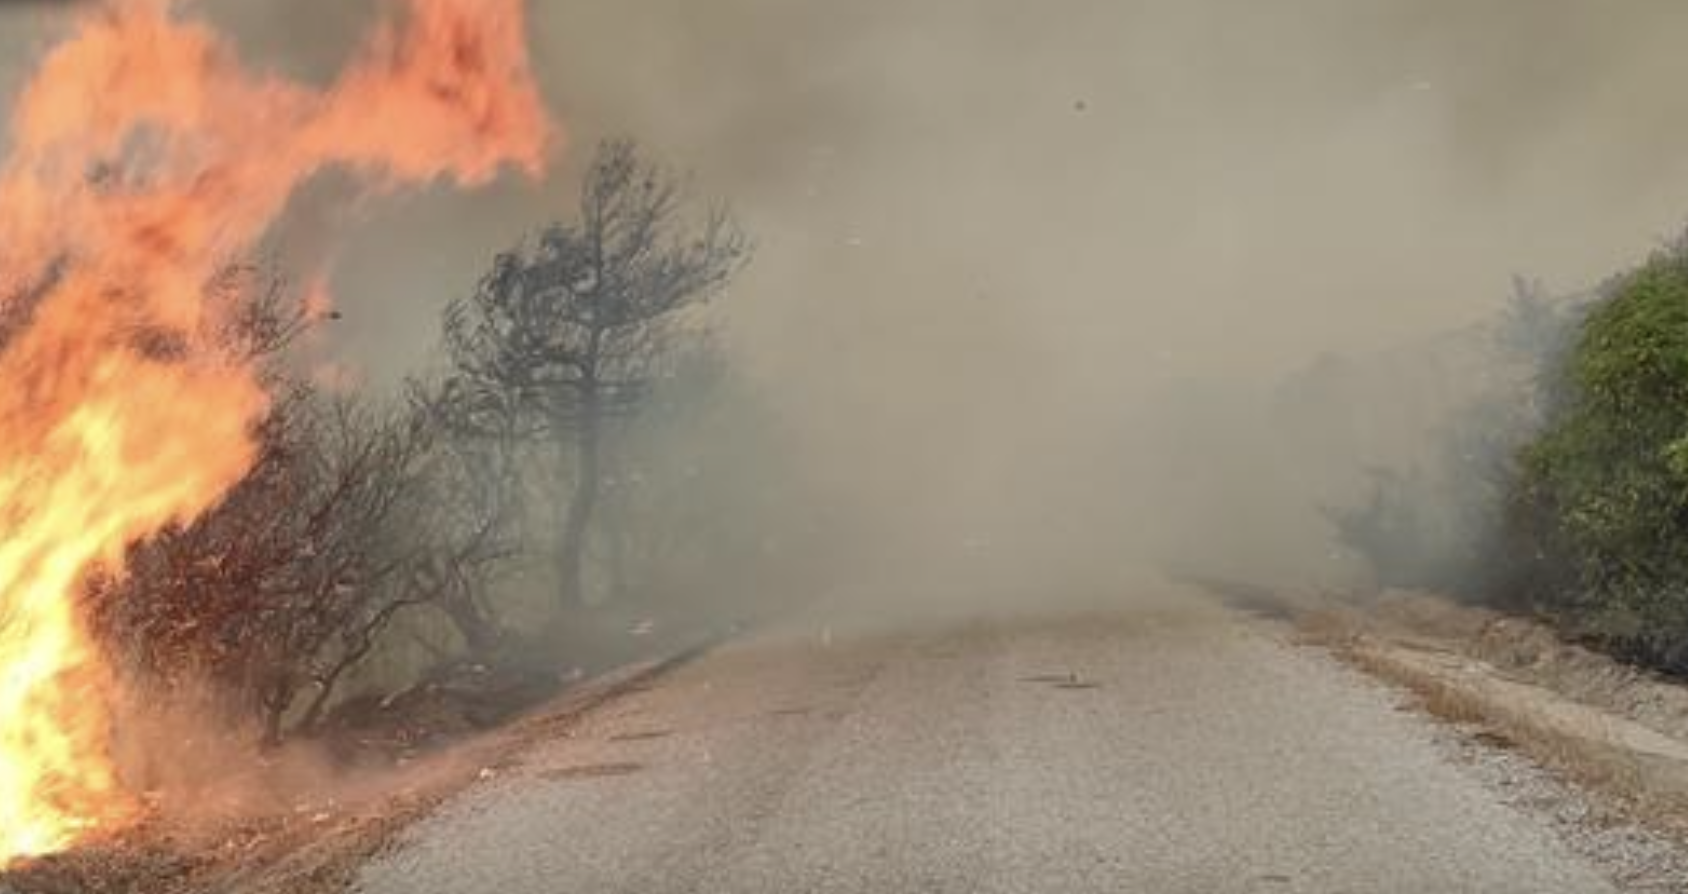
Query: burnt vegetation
[569,333]
[467,537]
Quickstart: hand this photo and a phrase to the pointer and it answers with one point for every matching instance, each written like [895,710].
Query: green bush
[1600,509]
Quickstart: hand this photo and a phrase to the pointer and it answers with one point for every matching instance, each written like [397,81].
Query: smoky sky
[988,230]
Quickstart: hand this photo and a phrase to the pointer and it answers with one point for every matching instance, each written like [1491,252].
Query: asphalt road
[1161,751]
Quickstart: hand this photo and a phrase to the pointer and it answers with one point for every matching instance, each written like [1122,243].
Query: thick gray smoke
[998,239]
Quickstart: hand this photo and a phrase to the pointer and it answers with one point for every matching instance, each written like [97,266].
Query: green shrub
[1600,509]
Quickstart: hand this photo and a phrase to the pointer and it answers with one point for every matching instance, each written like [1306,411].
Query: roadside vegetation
[526,510]
[1599,508]
[1562,490]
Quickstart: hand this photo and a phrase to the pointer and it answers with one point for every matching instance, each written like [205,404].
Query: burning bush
[144,156]
[285,585]
[185,511]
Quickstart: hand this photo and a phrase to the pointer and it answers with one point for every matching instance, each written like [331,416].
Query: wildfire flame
[144,157]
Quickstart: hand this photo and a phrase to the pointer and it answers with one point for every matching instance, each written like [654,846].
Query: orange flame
[144,157]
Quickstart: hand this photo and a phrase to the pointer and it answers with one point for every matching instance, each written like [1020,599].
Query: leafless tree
[352,514]
[287,585]
[564,332]
[472,514]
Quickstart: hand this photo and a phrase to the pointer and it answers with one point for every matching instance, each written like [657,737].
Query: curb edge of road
[574,702]
[505,747]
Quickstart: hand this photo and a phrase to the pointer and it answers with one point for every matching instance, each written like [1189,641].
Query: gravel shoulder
[1596,746]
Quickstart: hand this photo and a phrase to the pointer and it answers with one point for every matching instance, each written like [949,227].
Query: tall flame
[143,158]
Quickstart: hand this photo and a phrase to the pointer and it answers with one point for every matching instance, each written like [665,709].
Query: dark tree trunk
[480,635]
[273,708]
[617,556]
[311,721]
[578,525]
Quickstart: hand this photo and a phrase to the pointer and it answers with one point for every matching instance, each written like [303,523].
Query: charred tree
[474,506]
[566,331]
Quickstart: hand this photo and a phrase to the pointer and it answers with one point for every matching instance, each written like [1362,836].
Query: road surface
[1156,750]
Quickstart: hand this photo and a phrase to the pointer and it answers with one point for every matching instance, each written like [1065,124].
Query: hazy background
[1024,269]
